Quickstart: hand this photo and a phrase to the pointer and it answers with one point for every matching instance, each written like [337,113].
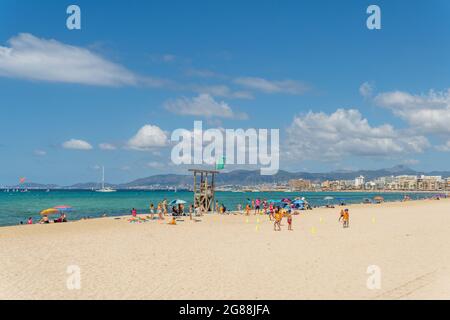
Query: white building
[359,181]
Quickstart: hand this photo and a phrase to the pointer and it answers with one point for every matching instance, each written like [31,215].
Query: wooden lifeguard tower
[204,189]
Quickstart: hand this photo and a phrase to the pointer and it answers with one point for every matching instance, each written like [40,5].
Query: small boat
[104,189]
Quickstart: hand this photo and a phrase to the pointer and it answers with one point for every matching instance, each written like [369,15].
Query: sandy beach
[235,257]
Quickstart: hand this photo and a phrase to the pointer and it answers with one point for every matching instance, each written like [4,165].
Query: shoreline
[232,212]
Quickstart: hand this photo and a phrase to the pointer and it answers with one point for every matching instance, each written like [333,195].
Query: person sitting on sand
[173,221]
[133,212]
[44,220]
[62,218]
[30,220]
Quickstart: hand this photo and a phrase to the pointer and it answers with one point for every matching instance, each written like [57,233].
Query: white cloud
[148,137]
[203,105]
[40,153]
[267,86]
[346,133]
[444,147]
[77,144]
[107,146]
[366,89]
[29,57]
[427,113]
[221,91]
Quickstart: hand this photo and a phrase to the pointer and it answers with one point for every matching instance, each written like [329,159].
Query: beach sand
[230,257]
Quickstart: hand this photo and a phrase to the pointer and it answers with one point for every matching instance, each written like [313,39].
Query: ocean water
[17,206]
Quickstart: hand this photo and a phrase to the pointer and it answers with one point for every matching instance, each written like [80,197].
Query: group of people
[275,212]
[45,219]
[278,215]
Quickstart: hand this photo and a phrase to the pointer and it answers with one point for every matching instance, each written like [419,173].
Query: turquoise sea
[16,206]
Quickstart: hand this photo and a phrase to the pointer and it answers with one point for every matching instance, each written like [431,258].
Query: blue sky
[343,96]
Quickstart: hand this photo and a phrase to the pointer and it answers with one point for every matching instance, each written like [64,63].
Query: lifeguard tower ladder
[204,189]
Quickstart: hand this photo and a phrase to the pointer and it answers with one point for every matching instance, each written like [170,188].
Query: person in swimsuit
[277,223]
[346,219]
[257,205]
[152,211]
[341,215]
[289,220]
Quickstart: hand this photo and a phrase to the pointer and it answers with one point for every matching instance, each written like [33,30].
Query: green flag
[220,163]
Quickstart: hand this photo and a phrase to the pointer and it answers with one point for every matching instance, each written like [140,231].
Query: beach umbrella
[49,211]
[63,208]
[298,202]
[378,198]
[286,200]
[328,199]
[176,201]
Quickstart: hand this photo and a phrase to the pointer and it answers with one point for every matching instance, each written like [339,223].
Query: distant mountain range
[242,178]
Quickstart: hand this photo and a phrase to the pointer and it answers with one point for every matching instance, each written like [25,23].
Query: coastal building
[359,182]
[430,183]
[300,185]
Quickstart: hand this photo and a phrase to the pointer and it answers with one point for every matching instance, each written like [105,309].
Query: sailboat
[103,189]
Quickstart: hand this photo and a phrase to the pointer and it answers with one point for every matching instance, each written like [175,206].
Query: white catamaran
[103,189]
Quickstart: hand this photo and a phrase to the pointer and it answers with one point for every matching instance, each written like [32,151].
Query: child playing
[346,219]
[289,220]
[277,223]
[247,210]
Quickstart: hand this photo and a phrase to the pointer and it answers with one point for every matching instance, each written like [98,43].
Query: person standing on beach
[247,210]
[341,215]
[133,212]
[152,211]
[253,205]
[191,208]
[289,221]
[30,220]
[346,218]
[257,205]
[217,206]
[277,223]
[159,211]
[164,206]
